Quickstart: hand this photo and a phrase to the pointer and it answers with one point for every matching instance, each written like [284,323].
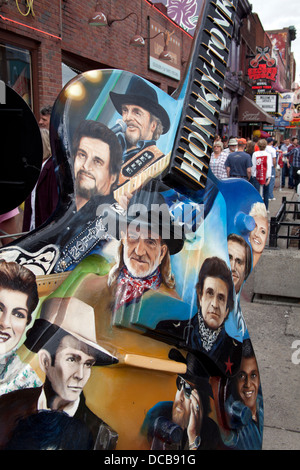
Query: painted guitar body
[153,328]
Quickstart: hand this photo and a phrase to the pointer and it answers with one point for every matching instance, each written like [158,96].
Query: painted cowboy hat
[148,211]
[140,93]
[197,369]
[68,315]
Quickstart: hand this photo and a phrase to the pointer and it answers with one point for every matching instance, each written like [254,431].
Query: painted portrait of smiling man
[244,404]
[144,257]
[145,118]
[143,254]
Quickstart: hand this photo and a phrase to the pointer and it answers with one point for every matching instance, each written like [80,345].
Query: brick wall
[60,28]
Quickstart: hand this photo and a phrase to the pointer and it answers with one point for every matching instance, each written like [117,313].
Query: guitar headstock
[205,80]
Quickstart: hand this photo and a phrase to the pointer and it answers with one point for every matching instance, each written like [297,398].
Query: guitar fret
[201,114]
[181,169]
[223,13]
[200,127]
[217,56]
[221,27]
[191,143]
[203,100]
[215,68]
[212,81]
[198,137]
[199,84]
[216,39]
[189,153]
[191,165]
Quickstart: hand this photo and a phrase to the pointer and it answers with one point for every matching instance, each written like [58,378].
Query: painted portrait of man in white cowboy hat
[149,238]
[64,339]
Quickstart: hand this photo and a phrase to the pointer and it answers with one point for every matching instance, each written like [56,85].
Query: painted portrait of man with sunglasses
[185,423]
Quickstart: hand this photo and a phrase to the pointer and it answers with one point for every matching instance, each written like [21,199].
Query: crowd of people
[256,161]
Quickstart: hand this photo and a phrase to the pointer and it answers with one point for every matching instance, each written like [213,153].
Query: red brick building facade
[45,34]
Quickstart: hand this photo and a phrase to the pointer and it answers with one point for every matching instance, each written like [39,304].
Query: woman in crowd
[42,201]
[218,159]
[250,147]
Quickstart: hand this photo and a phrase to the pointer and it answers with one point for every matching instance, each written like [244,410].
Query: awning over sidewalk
[249,111]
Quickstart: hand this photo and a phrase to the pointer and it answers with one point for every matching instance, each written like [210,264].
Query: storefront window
[16,70]
[67,73]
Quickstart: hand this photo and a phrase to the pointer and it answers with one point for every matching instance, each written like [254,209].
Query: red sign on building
[262,72]
[262,69]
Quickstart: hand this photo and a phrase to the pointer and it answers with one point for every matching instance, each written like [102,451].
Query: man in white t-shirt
[262,170]
[272,151]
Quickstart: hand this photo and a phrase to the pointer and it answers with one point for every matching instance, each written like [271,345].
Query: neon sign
[262,72]
[262,68]
[29,5]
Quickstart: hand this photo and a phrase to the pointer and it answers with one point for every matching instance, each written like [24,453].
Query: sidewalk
[279,193]
[273,329]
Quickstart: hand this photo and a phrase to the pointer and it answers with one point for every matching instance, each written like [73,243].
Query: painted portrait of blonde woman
[258,236]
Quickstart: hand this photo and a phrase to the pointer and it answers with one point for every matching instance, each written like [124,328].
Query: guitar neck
[143,177]
[202,102]
[48,283]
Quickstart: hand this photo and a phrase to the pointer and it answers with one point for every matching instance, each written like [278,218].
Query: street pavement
[274,329]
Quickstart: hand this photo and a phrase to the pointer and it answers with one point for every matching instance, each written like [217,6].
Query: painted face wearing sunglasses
[185,405]
[182,384]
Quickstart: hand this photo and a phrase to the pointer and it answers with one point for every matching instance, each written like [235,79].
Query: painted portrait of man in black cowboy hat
[184,424]
[148,237]
[146,120]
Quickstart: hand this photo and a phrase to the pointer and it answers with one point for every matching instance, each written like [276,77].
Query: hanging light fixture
[99,18]
[165,54]
[139,40]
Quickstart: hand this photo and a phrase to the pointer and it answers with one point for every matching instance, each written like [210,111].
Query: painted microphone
[120,126]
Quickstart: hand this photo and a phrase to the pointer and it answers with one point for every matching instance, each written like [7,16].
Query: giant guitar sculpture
[135,272]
